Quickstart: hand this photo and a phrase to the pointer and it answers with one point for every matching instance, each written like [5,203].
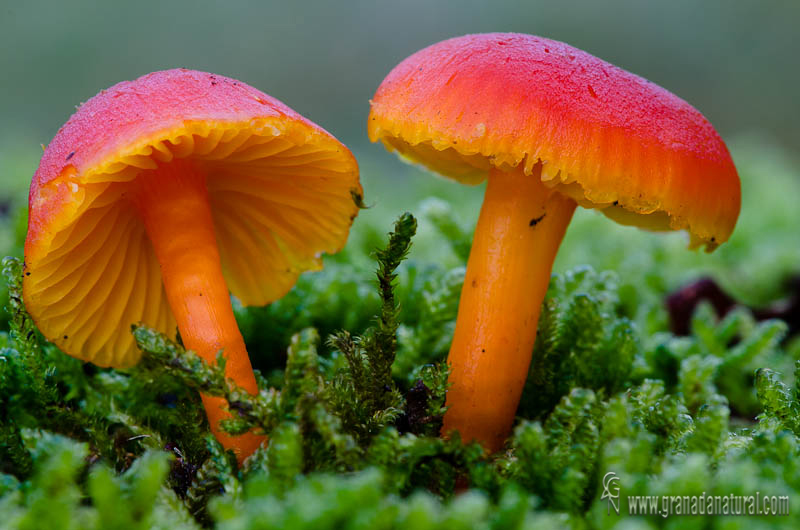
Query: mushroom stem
[173,203]
[519,230]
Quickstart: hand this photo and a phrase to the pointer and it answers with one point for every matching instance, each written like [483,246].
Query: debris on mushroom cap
[281,191]
[607,138]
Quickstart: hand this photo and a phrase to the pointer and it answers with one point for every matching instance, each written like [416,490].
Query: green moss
[352,384]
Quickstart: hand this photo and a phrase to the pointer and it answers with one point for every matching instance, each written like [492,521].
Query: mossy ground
[353,380]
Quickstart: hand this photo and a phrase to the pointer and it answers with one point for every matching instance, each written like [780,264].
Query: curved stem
[173,203]
[519,230]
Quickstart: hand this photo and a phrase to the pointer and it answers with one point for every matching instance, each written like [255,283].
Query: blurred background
[738,61]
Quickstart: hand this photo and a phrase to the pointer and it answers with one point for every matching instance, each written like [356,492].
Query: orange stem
[173,203]
[519,230]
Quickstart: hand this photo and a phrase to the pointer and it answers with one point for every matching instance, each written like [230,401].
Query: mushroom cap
[607,138]
[282,191]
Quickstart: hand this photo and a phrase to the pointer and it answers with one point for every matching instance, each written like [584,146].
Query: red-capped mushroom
[550,127]
[160,195]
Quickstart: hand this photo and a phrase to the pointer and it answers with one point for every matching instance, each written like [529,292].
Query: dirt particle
[70,155]
[66,337]
[535,221]
[28,273]
[615,203]
[474,283]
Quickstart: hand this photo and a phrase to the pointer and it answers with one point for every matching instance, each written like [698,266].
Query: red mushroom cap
[281,190]
[607,138]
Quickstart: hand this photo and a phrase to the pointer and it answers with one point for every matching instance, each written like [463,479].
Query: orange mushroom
[550,127]
[160,195]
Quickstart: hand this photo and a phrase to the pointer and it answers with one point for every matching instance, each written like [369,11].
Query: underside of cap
[605,137]
[281,192]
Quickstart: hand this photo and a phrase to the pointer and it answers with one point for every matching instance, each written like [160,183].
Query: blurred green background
[738,61]
[735,60]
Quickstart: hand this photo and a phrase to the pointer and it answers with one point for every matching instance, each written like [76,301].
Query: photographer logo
[611,491]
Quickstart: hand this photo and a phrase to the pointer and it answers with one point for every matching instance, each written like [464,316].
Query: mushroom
[160,197]
[550,127]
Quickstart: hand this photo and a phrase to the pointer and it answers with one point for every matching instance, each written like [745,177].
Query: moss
[352,386]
